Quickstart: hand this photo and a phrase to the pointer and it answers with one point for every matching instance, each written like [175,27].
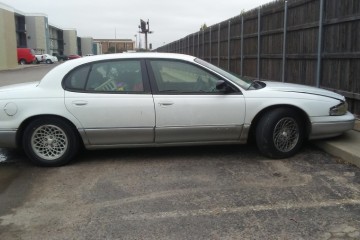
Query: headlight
[338,110]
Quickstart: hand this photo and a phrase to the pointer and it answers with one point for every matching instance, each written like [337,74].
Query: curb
[21,67]
[345,147]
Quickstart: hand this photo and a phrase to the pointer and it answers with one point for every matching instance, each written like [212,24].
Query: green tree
[203,27]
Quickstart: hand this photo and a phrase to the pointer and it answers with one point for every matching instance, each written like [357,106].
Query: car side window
[116,76]
[76,80]
[182,77]
[109,76]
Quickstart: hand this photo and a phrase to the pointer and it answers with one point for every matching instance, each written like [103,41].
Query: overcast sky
[169,19]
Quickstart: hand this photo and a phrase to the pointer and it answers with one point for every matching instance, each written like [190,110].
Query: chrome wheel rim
[49,142]
[286,134]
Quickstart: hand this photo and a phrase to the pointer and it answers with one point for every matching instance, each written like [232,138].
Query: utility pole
[145,28]
[115,40]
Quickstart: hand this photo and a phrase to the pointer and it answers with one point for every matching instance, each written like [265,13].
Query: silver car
[153,99]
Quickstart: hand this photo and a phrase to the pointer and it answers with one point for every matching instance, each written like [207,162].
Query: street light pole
[145,28]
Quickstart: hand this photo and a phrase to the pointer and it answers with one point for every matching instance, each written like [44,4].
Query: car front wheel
[50,142]
[280,133]
[48,61]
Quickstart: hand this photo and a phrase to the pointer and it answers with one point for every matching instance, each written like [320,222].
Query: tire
[280,133]
[22,62]
[50,142]
[48,61]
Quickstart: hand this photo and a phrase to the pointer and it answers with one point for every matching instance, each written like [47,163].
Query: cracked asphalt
[221,192]
[217,192]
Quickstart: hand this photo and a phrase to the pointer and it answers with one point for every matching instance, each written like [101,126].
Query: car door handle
[166,103]
[80,103]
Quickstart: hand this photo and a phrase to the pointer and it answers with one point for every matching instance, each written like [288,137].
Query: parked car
[25,55]
[60,57]
[45,58]
[39,58]
[49,59]
[73,56]
[154,99]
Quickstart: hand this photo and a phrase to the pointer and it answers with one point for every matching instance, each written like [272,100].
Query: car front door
[189,108]
[112,100]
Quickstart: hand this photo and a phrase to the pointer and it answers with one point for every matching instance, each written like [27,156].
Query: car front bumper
[331,126]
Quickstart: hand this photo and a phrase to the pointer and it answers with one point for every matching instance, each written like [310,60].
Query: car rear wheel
[280,133]
[50,142]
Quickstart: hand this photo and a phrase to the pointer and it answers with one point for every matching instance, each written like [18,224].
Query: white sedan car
[49,58]
[153,99]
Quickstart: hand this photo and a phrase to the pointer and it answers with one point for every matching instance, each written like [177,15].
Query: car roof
[138,55]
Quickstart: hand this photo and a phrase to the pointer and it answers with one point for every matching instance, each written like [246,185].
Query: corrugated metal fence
[312,42]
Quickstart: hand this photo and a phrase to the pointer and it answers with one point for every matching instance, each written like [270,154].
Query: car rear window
[76,80]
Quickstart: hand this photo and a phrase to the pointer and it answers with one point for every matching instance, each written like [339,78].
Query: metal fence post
[203,43]
[193,46]
[219,45]
[198,45]
[320,38]
[259,51]
[189,45]
[210,57]
[284,43]
[242,46]
[181,45]
[229,41]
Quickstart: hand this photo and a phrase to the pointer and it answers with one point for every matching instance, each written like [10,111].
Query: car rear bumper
[331,126]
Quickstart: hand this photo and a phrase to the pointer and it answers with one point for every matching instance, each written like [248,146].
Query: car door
[188,106]
[112,100]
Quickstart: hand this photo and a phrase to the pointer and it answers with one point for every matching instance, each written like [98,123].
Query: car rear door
[112,100]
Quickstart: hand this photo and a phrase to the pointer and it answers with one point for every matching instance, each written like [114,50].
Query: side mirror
[222,86]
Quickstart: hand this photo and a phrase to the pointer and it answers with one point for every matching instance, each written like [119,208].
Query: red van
[25,55]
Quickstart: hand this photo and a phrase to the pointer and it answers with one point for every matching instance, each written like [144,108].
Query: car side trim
[110,136]
[8,138]
[197,134]
[245,133]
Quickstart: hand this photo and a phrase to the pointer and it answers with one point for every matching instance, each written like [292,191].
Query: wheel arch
[26,122]
[259,115]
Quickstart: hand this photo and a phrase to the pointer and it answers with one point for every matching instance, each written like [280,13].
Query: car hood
[19,86]
[290,87]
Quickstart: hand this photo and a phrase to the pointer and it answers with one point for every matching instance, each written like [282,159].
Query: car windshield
[242,82]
